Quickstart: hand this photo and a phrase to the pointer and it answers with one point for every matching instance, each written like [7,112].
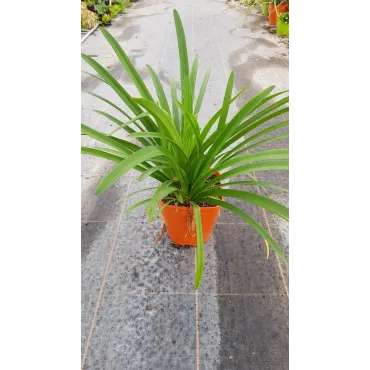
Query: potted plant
[276,7]
[282,25]
[192,162]
[265,7]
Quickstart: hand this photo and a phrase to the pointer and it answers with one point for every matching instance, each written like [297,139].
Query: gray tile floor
[139,310]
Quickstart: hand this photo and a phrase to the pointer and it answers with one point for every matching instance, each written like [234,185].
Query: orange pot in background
[283,8]
[180,224]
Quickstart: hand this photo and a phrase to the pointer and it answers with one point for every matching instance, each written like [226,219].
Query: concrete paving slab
[96,241]
[130,336]
[102,207]
[241,264]
[249,332]
[140,267]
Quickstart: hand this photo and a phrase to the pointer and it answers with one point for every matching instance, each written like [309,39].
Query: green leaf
[193,75]
[127,65]
[149,171]
[184,62]
[241,170]
[163,119]
[136,205]
[256,199]
[200,246]
[265,235]
[108,102]
[120,91]
[211,122]
[105,139]
[252,157]
[202,91]
[227,155]
[267,141]
[175,108]
[133,193]
[163,190]
[159,89]
[130,162]
[101,154]
[255,183]
[227,97]
[118,122]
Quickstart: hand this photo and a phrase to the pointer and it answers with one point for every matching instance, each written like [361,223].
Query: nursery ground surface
[139,309]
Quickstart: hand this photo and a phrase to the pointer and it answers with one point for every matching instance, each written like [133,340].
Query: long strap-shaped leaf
[214,118]
[256,226]
[121,92]
[150,171]
[127,65]
[254,183]
[200,246]
[163,190]
[227,155]
[108,102]
[251,157]
[119,123]
[184,63]
[227,97]
[223,135]
[175,108]
[130,162]
[159,89]
[249,168]
[105,139]
[100,153]
[256,199]
[202,91]
[162,117]
[193,75]
[252,124]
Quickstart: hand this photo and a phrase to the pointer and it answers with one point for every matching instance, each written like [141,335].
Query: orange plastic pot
[180,223]
[283,8]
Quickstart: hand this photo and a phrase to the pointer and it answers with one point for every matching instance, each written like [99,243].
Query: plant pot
[265,8]
[272,11]
[180,224]
[282,29]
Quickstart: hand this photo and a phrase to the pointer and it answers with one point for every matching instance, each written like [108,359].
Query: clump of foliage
[114,10]
[104,11]
[284,17]
[106,18]
[167,141]
[88,18]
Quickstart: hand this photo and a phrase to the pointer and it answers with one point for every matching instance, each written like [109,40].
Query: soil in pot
[180,221]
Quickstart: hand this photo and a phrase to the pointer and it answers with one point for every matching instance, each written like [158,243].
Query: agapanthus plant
[170,145]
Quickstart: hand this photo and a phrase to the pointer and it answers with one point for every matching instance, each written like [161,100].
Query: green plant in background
[101,9]
[282,24]
[114,10]
[175,149]
[284,17]
[265,7]
[105,19]
[122,4]
[88,19]
[251,6]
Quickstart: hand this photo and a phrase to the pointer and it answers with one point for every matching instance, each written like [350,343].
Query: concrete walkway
[139,309]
